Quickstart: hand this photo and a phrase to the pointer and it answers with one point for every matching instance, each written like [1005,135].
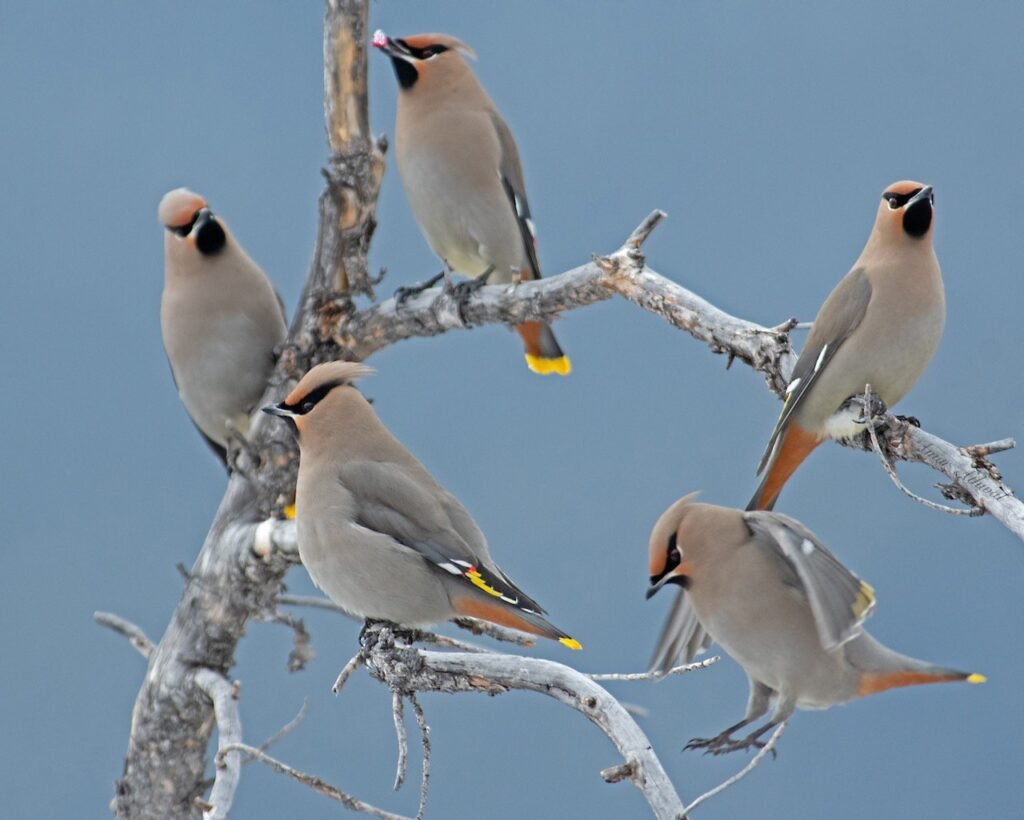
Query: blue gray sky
[766,131]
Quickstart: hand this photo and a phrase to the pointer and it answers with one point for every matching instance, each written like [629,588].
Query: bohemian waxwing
[376,532]
[772,595]
[461,172]
[221,320]
[880,326]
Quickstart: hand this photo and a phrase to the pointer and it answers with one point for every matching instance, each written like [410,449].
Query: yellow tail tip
[572,643]
[289,512]
[976,678]
[538,364]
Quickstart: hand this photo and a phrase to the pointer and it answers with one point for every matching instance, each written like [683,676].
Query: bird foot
[710,745]
[463,292]
[375,630]
[370,626]
[876,409]
[725,744]
[403,293]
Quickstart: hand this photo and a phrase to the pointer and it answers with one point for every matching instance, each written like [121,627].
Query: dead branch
[315,783]
[625,273]
[870,424]
[721,787]
[284,730]
[224,696]
[405,669]
[421,721]
[133,633]
[230,583]
[398,713]
[676,670]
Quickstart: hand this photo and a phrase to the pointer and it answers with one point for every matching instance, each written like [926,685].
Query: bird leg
[370,625]
[753,740]
[718,743]
[870,406]
[403,293]
[724,743]
[463,291]
[757,705]
[375,630]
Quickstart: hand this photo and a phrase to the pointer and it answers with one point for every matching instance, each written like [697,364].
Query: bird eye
[307,405]
[674,555]
[894,203]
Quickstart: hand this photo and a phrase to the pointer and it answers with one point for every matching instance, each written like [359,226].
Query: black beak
[280,410]
[924,193]
[656,584]
[389,46]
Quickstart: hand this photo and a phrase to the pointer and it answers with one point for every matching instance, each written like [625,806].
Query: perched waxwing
[772,595]
[460,168]
[376,532]
[221,320]
[880,326]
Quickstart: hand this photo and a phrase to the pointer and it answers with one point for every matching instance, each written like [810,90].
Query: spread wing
[413,510]
[511,172]
[682,636]
[841,314]
[840,601]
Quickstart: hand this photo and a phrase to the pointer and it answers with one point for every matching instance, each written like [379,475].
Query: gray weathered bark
[165,765]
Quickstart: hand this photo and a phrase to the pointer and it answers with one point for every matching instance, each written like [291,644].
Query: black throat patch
[405,72]
[918,218]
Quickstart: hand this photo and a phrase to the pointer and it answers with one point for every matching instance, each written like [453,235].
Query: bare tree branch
[129,630]
[421,721]
[315,783]
[346,672]
[302,648]
[677,670]
[407,669]
[284,730]
[624,272]
[171,722]
[398,713]
[721,787]
[224,696]
[975,481]
[870,423]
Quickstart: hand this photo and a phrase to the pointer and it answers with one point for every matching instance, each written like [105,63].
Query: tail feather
[796,444]
[543,353]
[503,615]
[874,682]
[883,668]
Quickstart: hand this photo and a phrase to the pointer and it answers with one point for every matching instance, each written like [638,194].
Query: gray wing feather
[843,312]
[419,514]
[511,171]
[391,501]
[682,636]
[839,600]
